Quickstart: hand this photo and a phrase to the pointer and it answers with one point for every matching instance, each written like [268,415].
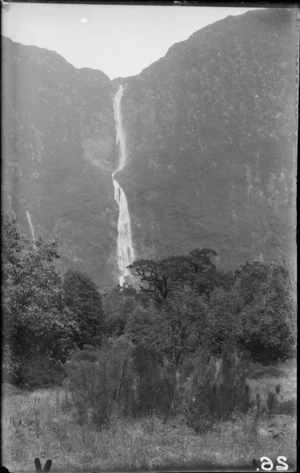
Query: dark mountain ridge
[59,150]
[211,137]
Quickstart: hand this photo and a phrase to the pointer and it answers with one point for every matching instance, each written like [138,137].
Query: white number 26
[267,464]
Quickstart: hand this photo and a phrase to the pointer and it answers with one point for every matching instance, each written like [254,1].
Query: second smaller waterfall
[30,225]
[31,228]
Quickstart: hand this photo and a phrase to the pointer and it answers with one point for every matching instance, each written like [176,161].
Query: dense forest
[136,347]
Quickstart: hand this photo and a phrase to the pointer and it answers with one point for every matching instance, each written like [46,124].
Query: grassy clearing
[44,424]
[287,381]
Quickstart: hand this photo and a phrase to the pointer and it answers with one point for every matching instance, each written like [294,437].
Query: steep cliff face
[59,149]
[211,141]
[211,133]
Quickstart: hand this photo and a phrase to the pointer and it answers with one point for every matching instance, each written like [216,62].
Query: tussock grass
[44,424]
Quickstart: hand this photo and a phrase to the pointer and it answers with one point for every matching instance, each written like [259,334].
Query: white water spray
[125,251]
[30,225]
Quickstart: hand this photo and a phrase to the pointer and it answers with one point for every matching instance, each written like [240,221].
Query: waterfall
[120,133]
[30,225]
[125,251]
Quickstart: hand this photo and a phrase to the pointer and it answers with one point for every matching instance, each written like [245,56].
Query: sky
[120,40]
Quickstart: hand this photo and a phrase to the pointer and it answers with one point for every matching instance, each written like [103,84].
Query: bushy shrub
[119,378]
[271,402]
[222,317]
[10,365]
[219,389]
[97,378]
[287,408]
[81,295]
[268,316]
[145,326]
[118,305]
[39,372]
[156,382]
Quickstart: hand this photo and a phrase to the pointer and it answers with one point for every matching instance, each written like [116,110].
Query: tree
[185,324]
[36,320]
[223,318]
[268,318]
[81,295]
[152,274]
[196,270]
[119,304]
[249,278]
[145,326]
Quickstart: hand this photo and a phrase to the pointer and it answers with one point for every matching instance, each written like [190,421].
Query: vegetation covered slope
[211,131]
[59,148]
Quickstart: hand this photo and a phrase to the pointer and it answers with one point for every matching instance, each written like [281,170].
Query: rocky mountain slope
[59,150]
[211,137]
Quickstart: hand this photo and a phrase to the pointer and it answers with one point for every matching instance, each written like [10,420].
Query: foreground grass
[44,424]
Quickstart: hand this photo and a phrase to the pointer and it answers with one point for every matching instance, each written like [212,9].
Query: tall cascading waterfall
[30,225]
[125,251]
